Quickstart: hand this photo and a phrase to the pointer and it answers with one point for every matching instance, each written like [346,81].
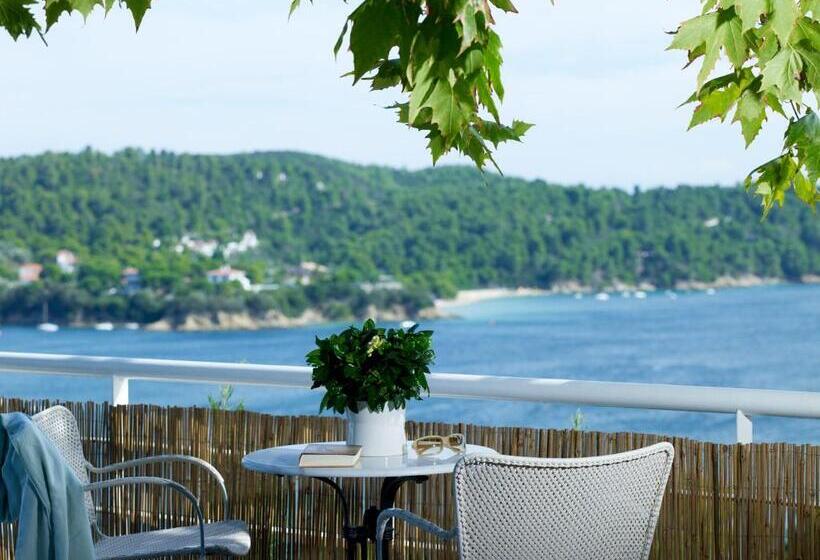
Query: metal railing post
[744,427]
[119,390]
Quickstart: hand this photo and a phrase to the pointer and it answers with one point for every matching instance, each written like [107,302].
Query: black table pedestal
[357,536]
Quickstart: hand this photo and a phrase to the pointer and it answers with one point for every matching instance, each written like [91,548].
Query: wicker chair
[224,537]
[525,508]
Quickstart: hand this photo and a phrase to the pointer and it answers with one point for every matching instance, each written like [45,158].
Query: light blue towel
[38,490]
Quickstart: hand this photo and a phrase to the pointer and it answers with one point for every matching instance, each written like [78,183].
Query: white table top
[284,460]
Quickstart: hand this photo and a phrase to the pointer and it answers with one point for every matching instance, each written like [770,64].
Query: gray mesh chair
[222,537]
[595,508]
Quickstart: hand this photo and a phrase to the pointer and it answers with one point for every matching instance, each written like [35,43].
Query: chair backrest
[592,508]
[60,427]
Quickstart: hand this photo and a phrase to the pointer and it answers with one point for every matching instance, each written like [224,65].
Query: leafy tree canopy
[445,57]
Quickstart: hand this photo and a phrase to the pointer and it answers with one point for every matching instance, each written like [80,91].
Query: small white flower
[375,343]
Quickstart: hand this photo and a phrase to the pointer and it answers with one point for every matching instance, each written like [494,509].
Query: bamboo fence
[722,501]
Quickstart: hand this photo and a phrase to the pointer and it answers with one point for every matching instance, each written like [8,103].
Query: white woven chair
[594,508]
[227,537]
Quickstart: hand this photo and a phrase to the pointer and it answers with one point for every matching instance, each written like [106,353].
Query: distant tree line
[436,231]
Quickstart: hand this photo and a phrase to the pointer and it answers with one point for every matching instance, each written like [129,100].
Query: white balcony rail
[743,403]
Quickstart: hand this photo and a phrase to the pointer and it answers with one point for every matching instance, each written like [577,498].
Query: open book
[330,455]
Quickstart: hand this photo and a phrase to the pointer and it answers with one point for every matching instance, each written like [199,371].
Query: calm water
[760,338]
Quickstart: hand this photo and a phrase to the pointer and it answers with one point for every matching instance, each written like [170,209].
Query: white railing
[743,403]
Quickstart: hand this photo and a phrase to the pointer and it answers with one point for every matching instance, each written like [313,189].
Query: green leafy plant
[773,48]
[446,57]
[223,400]
[371,365]
[577,420]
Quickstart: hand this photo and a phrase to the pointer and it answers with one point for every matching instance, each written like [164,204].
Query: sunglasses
[437,444]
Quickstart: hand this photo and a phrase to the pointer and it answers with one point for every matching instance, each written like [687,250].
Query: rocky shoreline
[243,321]
[442,308]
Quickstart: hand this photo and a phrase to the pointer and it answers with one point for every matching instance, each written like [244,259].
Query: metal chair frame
[60,426]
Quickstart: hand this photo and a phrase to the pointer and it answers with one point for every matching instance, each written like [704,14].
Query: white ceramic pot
[381,434]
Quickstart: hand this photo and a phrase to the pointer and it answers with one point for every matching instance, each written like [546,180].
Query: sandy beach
[466,297]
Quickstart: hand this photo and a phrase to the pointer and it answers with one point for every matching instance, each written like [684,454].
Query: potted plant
[370,373]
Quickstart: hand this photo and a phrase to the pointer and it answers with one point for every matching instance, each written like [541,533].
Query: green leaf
[422,87]
[493,61]
[85,7]
[750,12]
[337,47]
[436,145]
[805,190]
[772,180]
[803,135]
[388,75]
[807,43]
[17,19]
[294,5]
[782,73]
[715,104]
[469,27]
[448,111]
[376,26]
[708,34]
[138,9]
[694,32]
[783,19]
[751,112]
[54,10]
[485,96]
[733,41]
[504,5]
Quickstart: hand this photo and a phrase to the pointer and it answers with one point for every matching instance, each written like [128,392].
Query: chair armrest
[133,463]
[157,481]
[386,515]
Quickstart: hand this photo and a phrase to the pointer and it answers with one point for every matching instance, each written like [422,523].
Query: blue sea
[758,337]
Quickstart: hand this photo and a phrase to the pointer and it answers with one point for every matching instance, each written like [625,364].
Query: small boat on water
[640,294]
[132,326]
[45,325]
[710,292]
[578,295]
[407,324]
[602,296]
[104,326]
[626,294]
[671,295]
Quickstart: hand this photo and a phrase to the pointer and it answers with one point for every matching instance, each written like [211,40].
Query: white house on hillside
[304,273]
[248,242]
[66,261]
[29,272]
[227,274]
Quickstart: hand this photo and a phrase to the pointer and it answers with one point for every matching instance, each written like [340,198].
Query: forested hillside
[435,230]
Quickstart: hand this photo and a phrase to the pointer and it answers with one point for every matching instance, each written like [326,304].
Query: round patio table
[395,470]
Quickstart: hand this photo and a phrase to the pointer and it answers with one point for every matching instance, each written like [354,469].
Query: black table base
[357,536]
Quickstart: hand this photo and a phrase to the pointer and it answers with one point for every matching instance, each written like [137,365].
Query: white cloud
[228,77]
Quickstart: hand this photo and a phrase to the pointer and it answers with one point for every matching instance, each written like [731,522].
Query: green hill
[435,230]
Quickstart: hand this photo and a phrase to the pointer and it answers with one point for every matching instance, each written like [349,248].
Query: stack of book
[330,455]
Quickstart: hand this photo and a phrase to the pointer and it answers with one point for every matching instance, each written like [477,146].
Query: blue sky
[238,76]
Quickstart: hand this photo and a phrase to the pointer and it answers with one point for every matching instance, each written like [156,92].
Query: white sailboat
[45,326]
